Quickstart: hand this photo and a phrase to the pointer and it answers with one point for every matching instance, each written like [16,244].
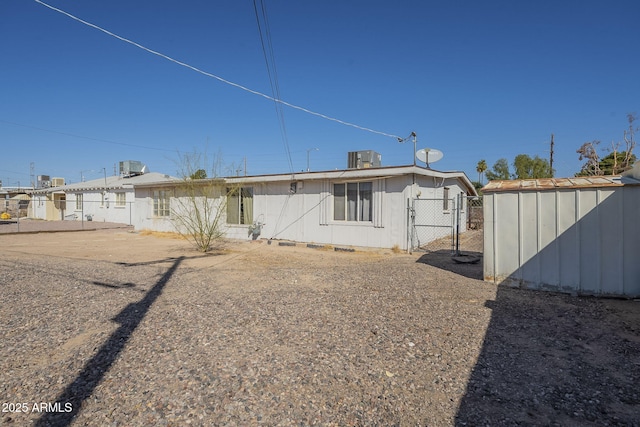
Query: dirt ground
[113,327]
[28,225]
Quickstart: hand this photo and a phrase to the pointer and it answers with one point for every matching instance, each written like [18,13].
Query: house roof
[21,197]
[343,174]
[110,182]
[558,183]
[154,179]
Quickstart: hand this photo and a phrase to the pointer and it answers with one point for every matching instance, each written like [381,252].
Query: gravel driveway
[113,328]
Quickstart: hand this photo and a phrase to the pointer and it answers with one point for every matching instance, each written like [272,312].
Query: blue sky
[476,80]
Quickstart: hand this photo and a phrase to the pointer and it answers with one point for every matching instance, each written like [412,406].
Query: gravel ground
[118,329]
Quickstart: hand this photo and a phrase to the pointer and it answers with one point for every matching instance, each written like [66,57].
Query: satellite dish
[429,155]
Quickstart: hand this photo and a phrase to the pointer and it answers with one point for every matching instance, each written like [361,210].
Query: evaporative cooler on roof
[132,168]
[363,159]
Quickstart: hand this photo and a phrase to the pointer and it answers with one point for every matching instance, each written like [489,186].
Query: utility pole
[308,151]
[551,157]
[415,147]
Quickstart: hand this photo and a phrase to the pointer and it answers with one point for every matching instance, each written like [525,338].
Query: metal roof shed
[578,235]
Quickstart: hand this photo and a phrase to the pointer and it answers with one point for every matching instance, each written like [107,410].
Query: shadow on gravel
[95,369]
[165,260]
[112,286]
[443,259]
[552,359]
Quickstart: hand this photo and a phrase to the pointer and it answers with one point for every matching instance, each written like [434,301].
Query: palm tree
[480,168]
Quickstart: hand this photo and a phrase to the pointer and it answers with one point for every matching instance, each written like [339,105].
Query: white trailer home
[369,207]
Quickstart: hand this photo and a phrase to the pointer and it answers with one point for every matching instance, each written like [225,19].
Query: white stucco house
[368,207]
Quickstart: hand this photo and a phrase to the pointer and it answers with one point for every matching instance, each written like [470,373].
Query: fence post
[458,209]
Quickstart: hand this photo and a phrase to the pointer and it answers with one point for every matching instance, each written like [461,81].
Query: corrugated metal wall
[584,241]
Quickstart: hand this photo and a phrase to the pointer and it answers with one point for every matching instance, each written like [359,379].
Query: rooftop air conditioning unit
[44,181]
[132,168]
[363,159]
[57,182]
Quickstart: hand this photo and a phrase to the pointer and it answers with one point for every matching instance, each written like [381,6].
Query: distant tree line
[524,167]
[619,159]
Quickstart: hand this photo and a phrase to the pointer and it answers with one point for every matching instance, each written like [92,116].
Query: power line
[86,137]
[270,63]
[13,172]
[236,85]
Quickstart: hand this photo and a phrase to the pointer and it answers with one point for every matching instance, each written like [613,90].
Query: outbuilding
[577,235]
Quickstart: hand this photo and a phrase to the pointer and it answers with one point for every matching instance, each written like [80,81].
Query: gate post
[411,218]
[458,209]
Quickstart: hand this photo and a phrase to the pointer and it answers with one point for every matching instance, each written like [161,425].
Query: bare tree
[614,152]
[617,161]
[630,141]
[589,153]
[199,204]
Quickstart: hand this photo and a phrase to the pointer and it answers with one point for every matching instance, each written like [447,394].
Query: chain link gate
[431,224]
[440,225]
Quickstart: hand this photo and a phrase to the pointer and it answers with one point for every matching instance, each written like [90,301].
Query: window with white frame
[161,203]
[352,201]
[79,197]
[121,199]
[240,205]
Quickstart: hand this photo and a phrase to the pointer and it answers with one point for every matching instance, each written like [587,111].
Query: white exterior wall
[142,214]
[307,215]
[47,206]
[37,206]
[93,206]
[581,241]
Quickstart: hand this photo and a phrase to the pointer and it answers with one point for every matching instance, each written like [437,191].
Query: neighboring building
[47,201]
[14,201]
[578,235]
[108,199]
[359,207]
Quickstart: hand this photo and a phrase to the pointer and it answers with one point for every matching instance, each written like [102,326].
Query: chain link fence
[61,214]
[471,239]
[453,226]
